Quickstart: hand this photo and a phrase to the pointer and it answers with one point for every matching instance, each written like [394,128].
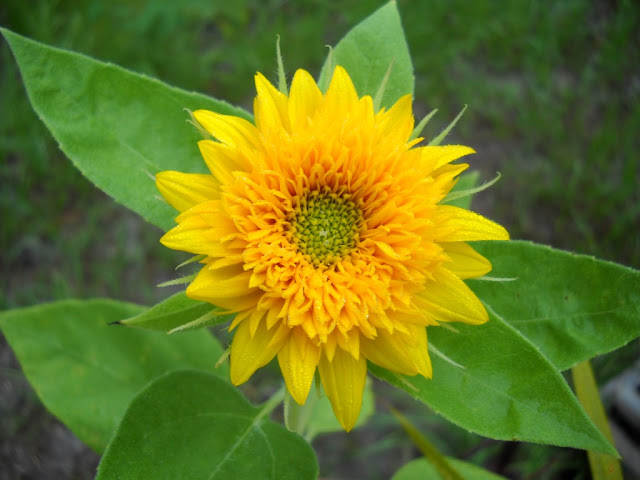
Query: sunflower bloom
[322,229]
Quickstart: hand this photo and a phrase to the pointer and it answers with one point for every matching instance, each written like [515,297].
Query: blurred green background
[553,90]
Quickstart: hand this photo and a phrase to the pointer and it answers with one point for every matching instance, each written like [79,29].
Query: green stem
[273,402]
[296,417]
[430,452]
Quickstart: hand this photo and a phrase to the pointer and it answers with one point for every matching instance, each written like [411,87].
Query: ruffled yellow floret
[322,228]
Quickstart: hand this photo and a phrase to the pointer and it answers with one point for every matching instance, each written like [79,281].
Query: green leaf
[366,53]
[118,127]
[603,467]
[192,425]
[467,181]
[490,380]
[173,312]
[421,469]
[86,371]
[573,307]
[417,131]
[442,135]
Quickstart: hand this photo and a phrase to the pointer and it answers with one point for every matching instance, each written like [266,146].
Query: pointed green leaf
[421,469]
[367,51]
[174,312]
[442,135]
[573,307]
[466,182]
[282,78]
[496,383]
[192,425]
[86,371]
[461,194]
[118,127]
[417,131]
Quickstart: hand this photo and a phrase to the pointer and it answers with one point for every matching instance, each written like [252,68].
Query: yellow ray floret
[321,227]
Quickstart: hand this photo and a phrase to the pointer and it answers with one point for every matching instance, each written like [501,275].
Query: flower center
[325,226]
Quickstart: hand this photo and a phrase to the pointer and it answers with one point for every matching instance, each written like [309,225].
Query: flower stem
[273,402]
[296,417]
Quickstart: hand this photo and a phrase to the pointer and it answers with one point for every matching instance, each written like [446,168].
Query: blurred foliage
[554,94]
[554,104]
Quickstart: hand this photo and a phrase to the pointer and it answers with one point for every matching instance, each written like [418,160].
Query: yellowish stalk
[603,467]
[430,452]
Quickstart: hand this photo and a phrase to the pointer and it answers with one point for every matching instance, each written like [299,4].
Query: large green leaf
[421,469]
[116,126]
[86,371]
[498,384]
[573,307]
[368,51]
[192,425]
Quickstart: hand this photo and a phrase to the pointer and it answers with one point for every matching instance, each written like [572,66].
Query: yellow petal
[398,121]
[444,178]
[230,130]
[210,213]
[195,236]
[349,342]
[240,316]
[454,224]
[270,109]
[254,320]
[448,299]
[304,98]
[222,160]
[200,230]
[250,353]
[298,359]
[341,97]
[395,353]
[225,287]
[437,156]
[184,190]
[466,262]
[228,282]
[343,380]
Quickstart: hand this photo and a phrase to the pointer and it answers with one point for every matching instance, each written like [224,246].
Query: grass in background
[554,104]
[554,94]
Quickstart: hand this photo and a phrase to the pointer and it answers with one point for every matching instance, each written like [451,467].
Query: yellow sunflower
[321,227]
